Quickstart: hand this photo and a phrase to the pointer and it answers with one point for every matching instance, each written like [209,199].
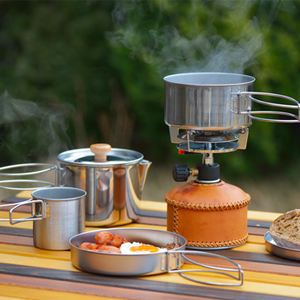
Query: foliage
[92,71]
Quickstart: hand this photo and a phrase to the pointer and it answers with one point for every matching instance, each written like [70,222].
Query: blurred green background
[75,73]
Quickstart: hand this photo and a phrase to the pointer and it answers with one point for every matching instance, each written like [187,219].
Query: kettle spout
[144,167]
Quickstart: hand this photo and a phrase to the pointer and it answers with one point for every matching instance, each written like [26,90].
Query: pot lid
[100,155]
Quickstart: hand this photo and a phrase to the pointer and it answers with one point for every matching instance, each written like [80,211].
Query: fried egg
[135,247]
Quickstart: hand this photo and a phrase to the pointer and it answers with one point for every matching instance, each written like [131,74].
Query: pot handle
[250,113]
[41,214]
[174,263]
[46,168]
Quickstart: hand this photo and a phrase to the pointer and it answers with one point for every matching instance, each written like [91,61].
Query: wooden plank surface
[172,284]
[42,288]
[43,274]
[251,263]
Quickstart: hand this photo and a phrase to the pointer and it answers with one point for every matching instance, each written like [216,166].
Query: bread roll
[285,230]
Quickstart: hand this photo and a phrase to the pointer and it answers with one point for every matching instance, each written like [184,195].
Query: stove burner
[209,136]
[208,147]
[199,141]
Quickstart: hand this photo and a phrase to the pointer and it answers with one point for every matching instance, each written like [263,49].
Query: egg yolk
[147,248]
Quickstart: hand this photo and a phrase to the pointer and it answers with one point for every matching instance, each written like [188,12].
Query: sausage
[108,238]
[99,248]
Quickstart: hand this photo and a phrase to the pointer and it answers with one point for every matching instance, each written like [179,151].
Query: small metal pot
[58,214]
[150,263]
[216,102]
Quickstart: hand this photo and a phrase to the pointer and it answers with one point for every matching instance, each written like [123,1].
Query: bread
[285,230]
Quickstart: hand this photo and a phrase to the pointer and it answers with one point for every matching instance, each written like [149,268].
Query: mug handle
[34,216]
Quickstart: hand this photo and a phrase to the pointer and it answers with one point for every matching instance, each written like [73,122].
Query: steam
[172,52]
[210,54]
[28,125]
[13,110]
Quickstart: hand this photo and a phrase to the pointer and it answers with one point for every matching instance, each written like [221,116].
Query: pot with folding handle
[209,113]
[168,259]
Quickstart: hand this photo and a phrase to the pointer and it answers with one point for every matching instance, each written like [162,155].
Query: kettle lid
[100,155]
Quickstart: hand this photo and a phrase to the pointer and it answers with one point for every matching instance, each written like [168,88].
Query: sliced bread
[285,230]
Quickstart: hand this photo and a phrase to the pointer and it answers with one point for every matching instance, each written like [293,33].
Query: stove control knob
[181,172]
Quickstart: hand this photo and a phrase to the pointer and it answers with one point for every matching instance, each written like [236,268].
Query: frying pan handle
[174,263]
[36,214]
[294,118]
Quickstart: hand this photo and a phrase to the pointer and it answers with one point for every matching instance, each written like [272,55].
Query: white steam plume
[29,125]
[173,52]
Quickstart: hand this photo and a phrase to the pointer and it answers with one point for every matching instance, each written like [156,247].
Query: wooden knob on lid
[100,151]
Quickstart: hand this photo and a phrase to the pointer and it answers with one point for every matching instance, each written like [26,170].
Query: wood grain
[16,240]
[67,289]
[137,284]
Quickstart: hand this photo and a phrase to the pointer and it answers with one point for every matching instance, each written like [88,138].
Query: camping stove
[208,212]
[209,113]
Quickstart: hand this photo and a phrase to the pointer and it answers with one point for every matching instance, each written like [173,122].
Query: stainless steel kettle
[113,179]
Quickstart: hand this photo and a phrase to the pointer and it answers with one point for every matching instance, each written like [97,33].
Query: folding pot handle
[174,264]
[36,214]
[36,184]
[250,113]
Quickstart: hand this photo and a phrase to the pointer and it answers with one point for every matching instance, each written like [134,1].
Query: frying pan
[137,264]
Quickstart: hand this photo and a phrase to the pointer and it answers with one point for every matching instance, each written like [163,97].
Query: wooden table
[30,273]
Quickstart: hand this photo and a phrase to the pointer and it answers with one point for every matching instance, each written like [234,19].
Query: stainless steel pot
[150,263]
[216,102]
[58,214]
[113,179]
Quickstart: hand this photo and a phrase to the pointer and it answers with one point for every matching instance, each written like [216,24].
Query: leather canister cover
[208,215]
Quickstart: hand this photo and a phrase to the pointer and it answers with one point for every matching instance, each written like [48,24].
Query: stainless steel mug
[58,214]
